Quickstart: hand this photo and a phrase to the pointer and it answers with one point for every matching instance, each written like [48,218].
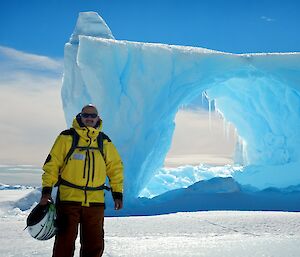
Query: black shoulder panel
[78,118]
[48,159]
[75,139]
[67,132]
[105,137]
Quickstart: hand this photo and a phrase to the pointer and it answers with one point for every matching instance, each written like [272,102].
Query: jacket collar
[86,132]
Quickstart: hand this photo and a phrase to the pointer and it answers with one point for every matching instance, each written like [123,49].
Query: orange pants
[69,216]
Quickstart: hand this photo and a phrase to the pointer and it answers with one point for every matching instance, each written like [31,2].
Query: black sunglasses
[86,115]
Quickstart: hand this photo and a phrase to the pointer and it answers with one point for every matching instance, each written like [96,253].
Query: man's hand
[45,199]
[118,204]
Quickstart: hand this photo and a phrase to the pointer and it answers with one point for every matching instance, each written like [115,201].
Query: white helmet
[41,221]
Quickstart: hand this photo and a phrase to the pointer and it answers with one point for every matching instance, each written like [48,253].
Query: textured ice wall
[139,87]
[74,91]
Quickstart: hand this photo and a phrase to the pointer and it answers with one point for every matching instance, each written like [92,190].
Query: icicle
[202,97]
[245,155]
[224,126]
[243,150]
[209,114]
[239,151]
[235,134]
[227,131]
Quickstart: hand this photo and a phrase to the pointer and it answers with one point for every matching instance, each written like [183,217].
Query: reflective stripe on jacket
[85,167]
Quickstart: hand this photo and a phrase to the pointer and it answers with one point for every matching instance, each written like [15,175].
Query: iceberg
[139,88]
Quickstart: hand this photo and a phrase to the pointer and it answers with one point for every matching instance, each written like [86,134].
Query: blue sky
[33,34]
[238,26]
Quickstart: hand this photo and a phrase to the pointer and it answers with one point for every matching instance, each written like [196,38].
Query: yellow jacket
[85,167]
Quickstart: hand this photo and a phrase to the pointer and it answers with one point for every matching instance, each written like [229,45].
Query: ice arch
[139,87]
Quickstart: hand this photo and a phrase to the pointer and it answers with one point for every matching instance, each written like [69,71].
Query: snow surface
[213,234]
[139,87]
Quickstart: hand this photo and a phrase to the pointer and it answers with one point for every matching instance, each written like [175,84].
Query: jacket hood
[84,131]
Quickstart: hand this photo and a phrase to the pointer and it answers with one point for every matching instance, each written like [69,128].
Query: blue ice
[139,88]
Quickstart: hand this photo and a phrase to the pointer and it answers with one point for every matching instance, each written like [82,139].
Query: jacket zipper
[84,168]
[89,162]
[88,176]
[93,160]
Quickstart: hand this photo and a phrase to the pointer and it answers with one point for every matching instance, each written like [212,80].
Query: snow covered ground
[209,234]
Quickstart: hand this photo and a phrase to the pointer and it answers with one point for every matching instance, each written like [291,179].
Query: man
[80,176]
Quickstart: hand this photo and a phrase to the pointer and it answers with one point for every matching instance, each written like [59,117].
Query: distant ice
[23,175]
[167,179]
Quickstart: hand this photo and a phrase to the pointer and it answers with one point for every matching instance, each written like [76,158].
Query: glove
[46,196]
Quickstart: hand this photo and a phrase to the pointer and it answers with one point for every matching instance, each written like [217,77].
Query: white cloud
[31,110]
[26,60]
[268,19]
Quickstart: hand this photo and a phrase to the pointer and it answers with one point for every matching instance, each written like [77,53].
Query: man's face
[89,116]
